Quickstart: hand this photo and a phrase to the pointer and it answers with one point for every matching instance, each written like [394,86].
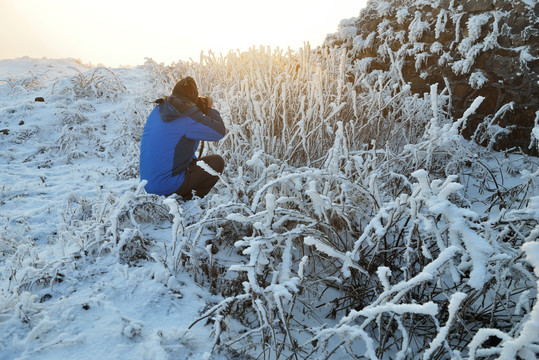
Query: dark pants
[198,179]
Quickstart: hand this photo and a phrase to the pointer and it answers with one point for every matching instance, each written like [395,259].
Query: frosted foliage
[348,32]
[477,80]
[362,65]
[360,43]
[449,238]
[526,341]
[385,31]
[384,8]
[489,130]
[318,216]
[352,220]
[417,28]
[347,29]
[525,55]
[347,23]
[462,66]
[491,39]
[402,14]
[436,48]
[444,59]
[441,22]
[421,59]
[475,24]
[535,131]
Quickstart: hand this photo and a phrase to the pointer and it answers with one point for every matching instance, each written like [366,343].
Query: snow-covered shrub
[434,250]
[488,132]
[99,82]
[345,192]
[352,219]
[75,138]
[27,84]
[111,224]
[70,117]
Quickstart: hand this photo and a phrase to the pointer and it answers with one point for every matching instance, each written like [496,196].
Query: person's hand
[210,101]
[204,103]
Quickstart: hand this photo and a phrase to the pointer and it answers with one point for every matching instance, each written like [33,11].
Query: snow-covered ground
[352,219]
[319,245]
[54,302]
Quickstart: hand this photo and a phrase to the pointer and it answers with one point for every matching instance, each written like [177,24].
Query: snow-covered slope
[56,300]
[24,68]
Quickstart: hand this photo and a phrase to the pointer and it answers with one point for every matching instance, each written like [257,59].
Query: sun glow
[118,32]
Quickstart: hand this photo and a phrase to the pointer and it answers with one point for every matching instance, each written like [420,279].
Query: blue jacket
[171,136]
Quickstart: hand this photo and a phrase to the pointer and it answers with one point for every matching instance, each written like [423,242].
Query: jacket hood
[172,107]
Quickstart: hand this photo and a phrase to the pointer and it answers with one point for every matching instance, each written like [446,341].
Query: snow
[454,304]
[439,216]
[21,68]
[84,307]
[530,3]
[119,314]
[525,55]
[416,223]
[529,335]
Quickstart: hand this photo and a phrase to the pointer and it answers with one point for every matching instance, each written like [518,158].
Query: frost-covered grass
[352,221]
[78,244]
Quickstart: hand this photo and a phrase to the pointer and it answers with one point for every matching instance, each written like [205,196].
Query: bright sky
[122,32]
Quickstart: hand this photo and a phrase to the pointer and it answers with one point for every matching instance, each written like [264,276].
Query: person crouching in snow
[170,139]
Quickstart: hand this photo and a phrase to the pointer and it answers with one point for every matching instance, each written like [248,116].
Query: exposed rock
[486,48]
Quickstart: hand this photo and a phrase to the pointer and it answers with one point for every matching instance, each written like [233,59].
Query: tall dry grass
[349,198]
